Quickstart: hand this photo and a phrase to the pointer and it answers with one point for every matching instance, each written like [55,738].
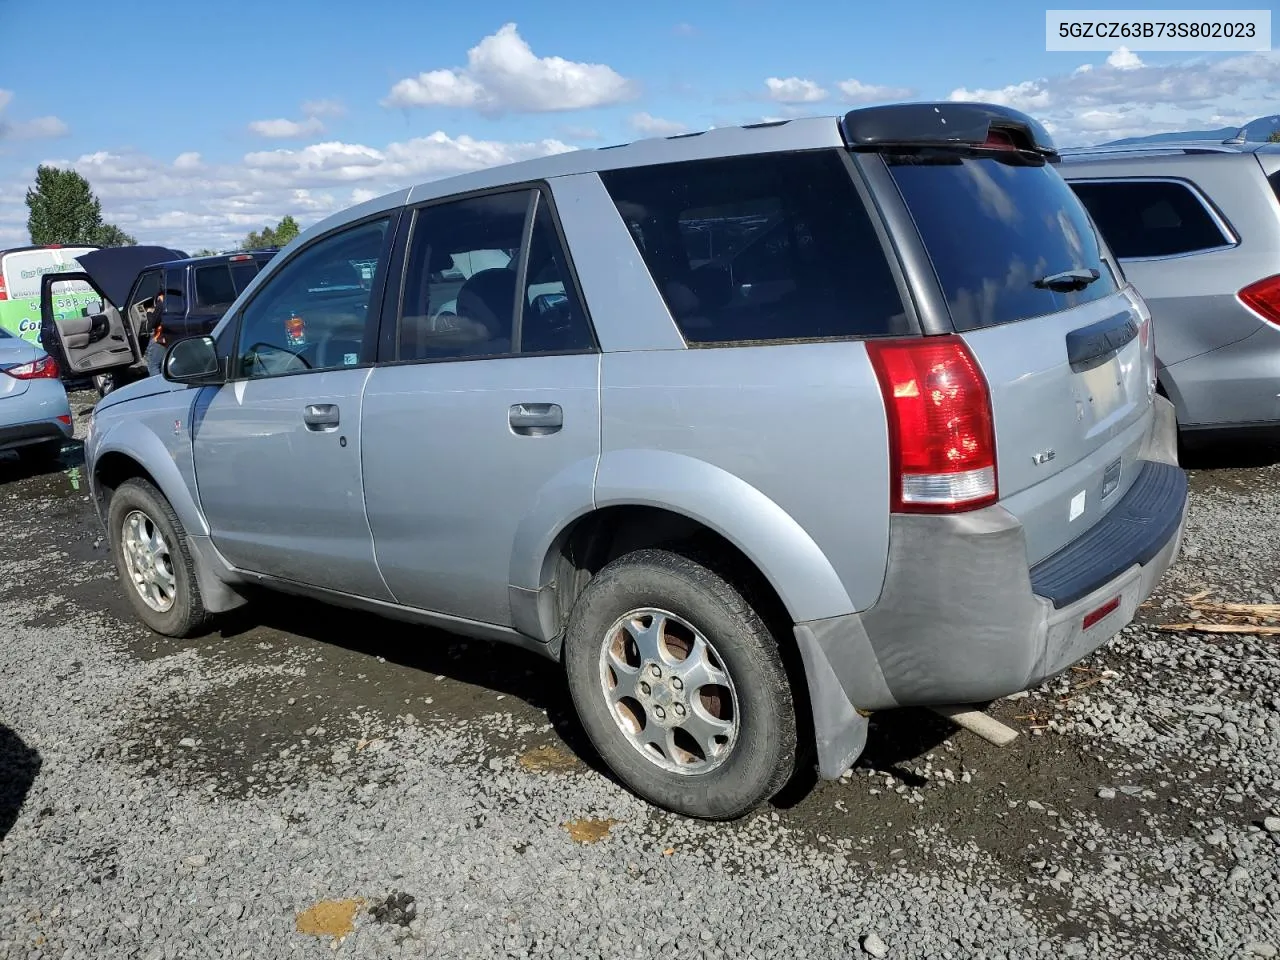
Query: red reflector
[942,449]
[1109,607]
[64,419]
[43,369]
[1263,298]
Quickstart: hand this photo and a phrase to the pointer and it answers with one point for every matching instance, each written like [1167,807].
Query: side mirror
[193,361]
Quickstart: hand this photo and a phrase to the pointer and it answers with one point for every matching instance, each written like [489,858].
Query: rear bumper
[962,617]
[32,416]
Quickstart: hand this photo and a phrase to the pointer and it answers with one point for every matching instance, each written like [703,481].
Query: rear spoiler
[945,124]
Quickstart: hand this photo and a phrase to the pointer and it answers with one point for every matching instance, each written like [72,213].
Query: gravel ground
[310,783]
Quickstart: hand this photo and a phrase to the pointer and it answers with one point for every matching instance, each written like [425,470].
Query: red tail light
[942,447]
[1263,298]
[4,293]
[46,368]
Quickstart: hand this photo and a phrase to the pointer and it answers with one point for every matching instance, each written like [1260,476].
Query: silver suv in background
[1196,228]
[753,430]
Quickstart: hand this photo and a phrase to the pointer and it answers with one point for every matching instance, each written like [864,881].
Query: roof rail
[1187,148]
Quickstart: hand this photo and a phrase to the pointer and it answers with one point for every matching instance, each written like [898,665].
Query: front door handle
[321,417]
[535,419]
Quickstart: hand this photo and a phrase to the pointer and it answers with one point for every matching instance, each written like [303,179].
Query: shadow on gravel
[19,765]
[14,468]
[498,667]
[1226,455]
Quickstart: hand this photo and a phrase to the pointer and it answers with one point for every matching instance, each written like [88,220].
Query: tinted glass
[760,248]
[174,290]
[1274,180]
[460,283]
[214,286]
[242,273]
[314,312]
[553,318]
[1156,218]
[992,227]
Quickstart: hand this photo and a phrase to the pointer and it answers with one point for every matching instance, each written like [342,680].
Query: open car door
[84,340]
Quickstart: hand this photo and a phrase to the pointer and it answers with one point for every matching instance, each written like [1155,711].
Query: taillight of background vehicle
[46,368]
[942,447]
[4,291]
[1263,298]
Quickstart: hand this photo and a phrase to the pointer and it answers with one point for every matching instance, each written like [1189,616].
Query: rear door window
[762,248]
[993,226]
[1152,218]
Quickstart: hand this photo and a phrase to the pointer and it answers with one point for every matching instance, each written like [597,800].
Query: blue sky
[212,121]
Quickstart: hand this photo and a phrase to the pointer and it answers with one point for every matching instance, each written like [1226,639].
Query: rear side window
[214,286]
[993,226]
[1275,184]
[761,248]
[1151,218]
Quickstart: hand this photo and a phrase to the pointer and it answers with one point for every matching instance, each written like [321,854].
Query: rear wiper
[1068,281]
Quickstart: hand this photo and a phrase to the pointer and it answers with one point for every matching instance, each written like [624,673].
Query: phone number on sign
[1147,30]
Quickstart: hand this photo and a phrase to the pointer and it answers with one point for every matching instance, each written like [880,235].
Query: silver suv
[754,430]
[1196,228]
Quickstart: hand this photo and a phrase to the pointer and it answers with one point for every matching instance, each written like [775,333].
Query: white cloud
[1122,58]
[1125,96]
[504,75]
[282,129]
[685,30]
[653,126]
[37,128]
[1030,95]
[192,203]
[794,90]
[855,91]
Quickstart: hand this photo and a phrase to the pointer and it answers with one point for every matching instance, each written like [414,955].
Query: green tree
[1275,137]
[205,252]
[276,236]
[63,209]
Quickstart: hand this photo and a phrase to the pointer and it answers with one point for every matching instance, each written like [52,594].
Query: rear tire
[154,563]
[710,733]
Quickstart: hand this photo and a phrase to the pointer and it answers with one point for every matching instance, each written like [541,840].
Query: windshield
[993,228]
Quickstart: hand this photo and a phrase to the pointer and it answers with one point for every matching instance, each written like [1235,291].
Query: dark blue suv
[197,291]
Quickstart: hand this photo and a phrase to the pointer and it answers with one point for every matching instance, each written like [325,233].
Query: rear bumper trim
[1133,532]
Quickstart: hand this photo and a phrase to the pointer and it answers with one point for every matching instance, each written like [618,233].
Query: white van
[20,271]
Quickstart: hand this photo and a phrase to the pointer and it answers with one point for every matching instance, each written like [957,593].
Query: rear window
[992,227]
[760,248]
[218,285]
[1151,218]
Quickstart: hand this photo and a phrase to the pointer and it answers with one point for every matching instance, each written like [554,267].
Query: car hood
[114,269]
[147,387]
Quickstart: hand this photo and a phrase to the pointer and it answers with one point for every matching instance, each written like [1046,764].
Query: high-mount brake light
[997,140]
[942,446]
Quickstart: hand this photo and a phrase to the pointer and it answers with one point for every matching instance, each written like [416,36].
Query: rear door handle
[535,419]
[321,416]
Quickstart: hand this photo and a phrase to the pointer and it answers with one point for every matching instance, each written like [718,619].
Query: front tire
[104,383]
[681,686]
[153,560]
